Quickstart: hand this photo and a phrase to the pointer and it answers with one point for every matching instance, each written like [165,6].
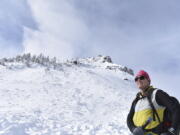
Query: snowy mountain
[43,96]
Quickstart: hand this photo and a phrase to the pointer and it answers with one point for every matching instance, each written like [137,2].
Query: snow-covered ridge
[27,60]
[103,61]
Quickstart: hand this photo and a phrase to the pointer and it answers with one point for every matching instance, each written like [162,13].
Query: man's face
[141,82]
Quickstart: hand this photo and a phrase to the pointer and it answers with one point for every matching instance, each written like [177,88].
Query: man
[149,110]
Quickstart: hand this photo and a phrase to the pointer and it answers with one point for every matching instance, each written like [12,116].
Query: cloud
[14,15]
[60,31]
[116,28]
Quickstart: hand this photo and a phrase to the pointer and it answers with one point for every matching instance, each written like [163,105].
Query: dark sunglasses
[139,78]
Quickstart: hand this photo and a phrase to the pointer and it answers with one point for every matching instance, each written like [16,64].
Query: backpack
[167,120]
[175,101]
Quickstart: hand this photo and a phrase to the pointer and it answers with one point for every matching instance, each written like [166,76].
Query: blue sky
[137,34]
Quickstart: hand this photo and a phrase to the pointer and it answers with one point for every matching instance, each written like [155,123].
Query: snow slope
[83,97]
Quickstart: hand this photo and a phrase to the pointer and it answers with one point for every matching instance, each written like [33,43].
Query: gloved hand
[172,131]
[138,131]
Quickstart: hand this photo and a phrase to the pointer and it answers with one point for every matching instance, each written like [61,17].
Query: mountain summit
[85,96]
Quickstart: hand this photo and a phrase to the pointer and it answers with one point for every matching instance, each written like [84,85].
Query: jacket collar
[148,91]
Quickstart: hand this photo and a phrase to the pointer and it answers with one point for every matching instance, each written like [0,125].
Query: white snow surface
[82,99]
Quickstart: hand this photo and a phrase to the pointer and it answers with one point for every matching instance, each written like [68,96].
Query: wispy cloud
[14,15]
[116,28]
[61,30]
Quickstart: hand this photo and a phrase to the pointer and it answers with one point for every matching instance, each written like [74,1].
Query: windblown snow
[89,96]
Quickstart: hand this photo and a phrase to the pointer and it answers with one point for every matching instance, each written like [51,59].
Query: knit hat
[143,73]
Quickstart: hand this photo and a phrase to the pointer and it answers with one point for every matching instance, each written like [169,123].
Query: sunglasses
[139,78]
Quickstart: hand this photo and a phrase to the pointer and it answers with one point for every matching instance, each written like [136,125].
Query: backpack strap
[149,97]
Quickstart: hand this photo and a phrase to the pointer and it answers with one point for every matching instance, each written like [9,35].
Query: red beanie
[143,73]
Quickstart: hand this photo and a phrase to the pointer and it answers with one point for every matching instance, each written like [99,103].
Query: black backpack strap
[137,98]
[153,108]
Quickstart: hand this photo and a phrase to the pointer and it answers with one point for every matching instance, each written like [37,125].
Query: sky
[137,34]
